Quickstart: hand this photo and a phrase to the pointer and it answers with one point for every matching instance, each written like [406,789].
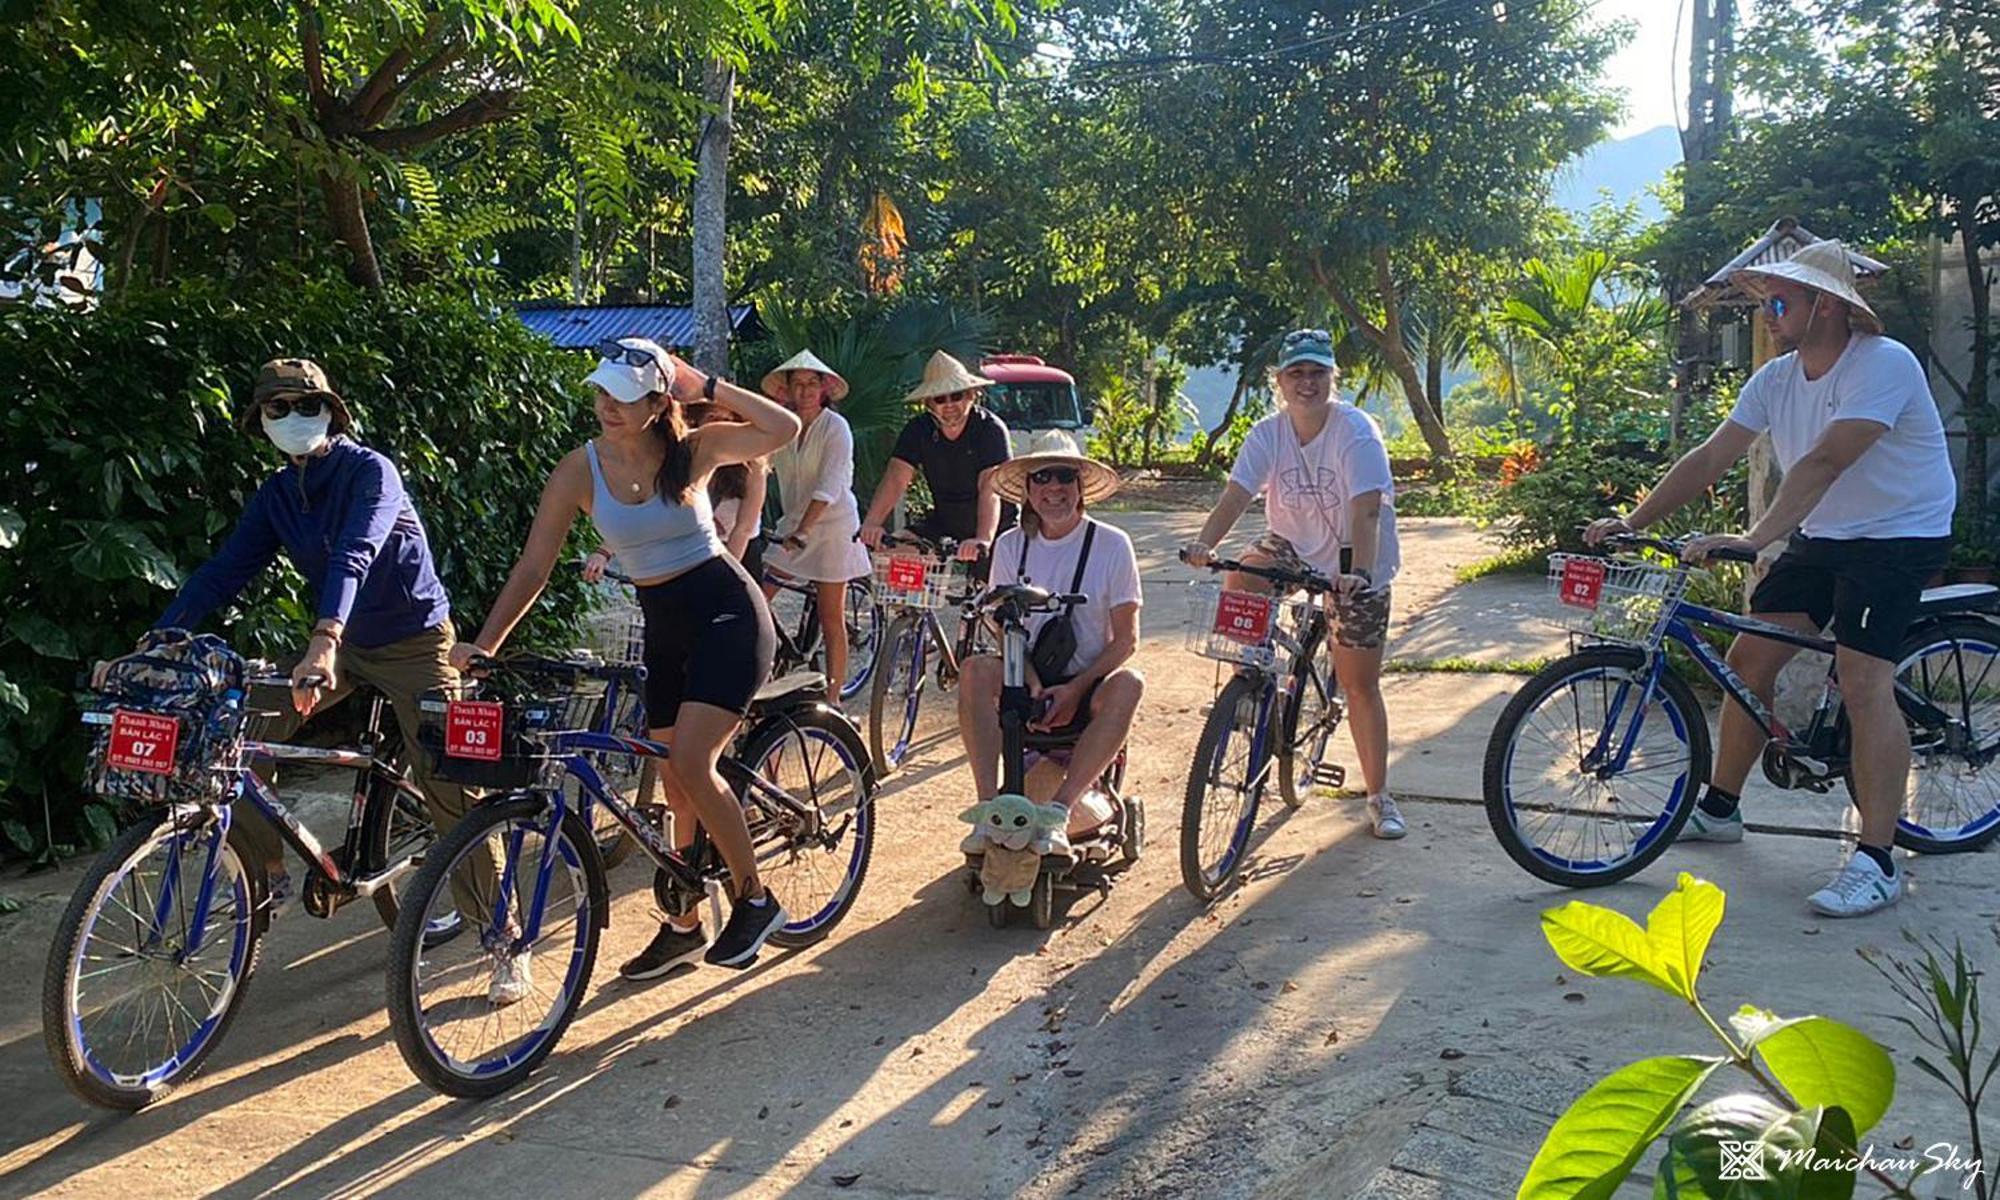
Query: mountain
[1625,168]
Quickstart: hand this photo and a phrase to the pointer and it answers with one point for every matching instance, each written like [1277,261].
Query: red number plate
[906,574]
[472,729]
[1244,617]
[143,742]
[1582,583]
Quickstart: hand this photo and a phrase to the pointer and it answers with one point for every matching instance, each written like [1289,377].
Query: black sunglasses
[1306,335]
[1062,475]
[613,350]
[949,398]
[279,407]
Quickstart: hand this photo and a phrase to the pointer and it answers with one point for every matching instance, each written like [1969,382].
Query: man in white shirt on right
[1869,488]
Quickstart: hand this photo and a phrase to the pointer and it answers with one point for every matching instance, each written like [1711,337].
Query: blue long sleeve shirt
[346,523]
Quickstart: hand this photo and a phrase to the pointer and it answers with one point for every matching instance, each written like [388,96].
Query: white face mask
[298,435]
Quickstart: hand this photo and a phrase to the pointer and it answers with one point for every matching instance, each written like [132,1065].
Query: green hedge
[121,470]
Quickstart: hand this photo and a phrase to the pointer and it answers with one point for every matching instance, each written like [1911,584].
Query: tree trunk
[711,191]
[576,246]
[1429,423]
[1388,338]
[1434,375]
[1207,453]
[350,228]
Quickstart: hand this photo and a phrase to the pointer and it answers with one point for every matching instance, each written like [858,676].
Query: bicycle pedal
[1328,775]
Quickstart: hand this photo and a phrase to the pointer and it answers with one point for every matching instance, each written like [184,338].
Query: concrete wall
[1951,342]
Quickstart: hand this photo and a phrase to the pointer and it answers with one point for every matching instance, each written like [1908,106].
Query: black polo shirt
[951,466]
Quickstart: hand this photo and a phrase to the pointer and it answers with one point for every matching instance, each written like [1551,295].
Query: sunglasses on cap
[277,408]
[613,350]
[1062,475]
[1298,336]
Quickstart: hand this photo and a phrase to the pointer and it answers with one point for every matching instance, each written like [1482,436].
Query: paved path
[1359,1018]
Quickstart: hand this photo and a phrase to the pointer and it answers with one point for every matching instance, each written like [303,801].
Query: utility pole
[1711,105]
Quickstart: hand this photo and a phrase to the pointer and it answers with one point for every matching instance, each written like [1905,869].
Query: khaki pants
[401,671]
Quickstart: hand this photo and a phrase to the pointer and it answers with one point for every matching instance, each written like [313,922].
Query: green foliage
[1941,987]
[1822,1083]
[123,469]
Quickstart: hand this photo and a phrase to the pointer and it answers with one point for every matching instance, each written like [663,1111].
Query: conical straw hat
[1825,267]
[804,360]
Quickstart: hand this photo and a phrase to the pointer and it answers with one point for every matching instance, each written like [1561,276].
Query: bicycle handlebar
[1311,581]
[1673,547]
[941,547]
[561,670]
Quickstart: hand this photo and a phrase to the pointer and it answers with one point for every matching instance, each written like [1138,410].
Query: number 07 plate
[142,742]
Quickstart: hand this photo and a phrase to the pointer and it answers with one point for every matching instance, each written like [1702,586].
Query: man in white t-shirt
[1869,488]
[1058,548]
[1330,503]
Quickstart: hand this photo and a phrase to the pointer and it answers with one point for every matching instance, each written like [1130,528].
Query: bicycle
[1121,837]
[174,909]
[1280,684]
[1620,744]
[799,768]
[795,613]
[921,584]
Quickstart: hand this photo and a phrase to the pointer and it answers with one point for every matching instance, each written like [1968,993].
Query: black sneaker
[750,924]
[669,949]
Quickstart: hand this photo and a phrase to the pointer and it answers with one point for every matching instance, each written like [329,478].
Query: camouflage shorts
[1361,619]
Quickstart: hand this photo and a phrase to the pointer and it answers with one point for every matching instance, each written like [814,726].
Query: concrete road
[1359,1018]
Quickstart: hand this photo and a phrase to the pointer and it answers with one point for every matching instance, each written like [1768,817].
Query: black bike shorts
[709,640]
[1868,587]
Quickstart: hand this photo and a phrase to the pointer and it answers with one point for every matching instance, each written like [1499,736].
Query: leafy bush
[121,470]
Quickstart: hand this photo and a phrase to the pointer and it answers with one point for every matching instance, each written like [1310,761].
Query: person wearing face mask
[815,473]
[339,512]
[1866,503]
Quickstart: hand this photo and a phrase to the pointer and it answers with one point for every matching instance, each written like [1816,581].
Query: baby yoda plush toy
[1013,833]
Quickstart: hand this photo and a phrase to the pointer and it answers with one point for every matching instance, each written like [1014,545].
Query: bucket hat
[295,377]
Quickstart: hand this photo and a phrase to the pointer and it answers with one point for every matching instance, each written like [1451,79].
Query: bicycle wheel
[398,829]
[634,777]
[1305,731]
[1225,784]
[128,1012]
[1562,819]
[865,624]
[898,692]
[454,1033]
[814,861]
[1951,802]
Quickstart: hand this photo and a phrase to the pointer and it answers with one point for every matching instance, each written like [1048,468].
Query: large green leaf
[1593,1146]
[11,698]
[1822,1062]
[1598,941]
[12,526]
[114,550]
[1680,926]
[42,635]
[1744,1147]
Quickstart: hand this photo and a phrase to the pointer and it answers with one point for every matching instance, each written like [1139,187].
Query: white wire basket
[911,580]
[616,631]
[1237,627]
[1618,599]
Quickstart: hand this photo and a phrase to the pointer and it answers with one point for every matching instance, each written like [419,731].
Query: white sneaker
[1385,817]
[1702,827]
[1859,889]
[511,981]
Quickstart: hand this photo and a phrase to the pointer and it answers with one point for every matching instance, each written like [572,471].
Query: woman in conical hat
[815,474]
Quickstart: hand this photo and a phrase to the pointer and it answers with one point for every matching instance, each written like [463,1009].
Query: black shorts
[709,640]
[1868,587]
[1077,723]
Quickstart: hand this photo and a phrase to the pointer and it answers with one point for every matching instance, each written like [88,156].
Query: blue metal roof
[582,326]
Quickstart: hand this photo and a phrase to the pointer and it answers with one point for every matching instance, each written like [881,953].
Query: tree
[1361,147]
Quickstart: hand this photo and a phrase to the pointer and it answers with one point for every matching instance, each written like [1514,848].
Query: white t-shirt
[1900,487]
[725,518]
[1110,578]
[1306,488]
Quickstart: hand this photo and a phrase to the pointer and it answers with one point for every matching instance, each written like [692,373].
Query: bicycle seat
[1960,597]
[797,687]
[1027,597]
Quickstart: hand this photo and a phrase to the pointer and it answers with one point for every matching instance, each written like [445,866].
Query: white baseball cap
[632,368]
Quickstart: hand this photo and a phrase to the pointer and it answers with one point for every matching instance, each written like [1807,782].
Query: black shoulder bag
[1055,645]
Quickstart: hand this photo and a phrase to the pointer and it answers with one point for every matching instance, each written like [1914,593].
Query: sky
[1652,68]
